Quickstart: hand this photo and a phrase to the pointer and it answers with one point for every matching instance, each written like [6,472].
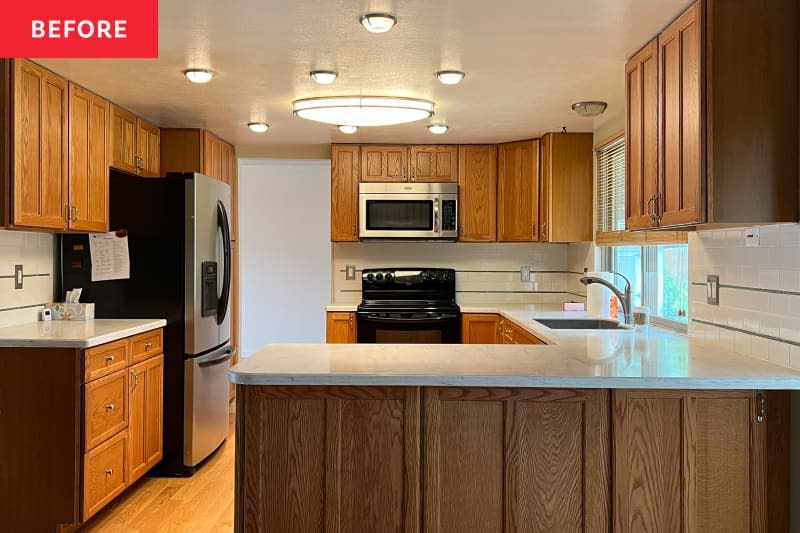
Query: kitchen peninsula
[649,429]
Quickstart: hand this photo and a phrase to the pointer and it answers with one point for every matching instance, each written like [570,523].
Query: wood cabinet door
[698,461]
[146,390]
[341,328]
[480,328]
[680,115]
[40,147]
[434,163]
[89,139]
[212,156]
[567,191]
[351,456]
[345,160]
[518,191]
[520,336]
[477,193]
[641,137]
[123,153]
[384,163]
[226,166]
[148,148]
[524,460]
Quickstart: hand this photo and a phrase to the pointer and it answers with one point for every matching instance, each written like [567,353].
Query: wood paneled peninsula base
[339,458]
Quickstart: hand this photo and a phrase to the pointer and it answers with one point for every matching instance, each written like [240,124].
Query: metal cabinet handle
[109,471]
[110,358]
[135,377]
[544,230]
[74,213]
[413,173]
[656,211]
[405,178]
[110,406]
[148,345]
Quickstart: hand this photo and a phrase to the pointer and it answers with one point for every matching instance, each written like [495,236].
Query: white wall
[34,251]
[284,251]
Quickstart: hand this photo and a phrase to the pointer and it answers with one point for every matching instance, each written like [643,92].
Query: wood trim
[608,140]
[640,238]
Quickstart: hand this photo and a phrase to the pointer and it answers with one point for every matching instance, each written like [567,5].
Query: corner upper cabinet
[124,138]
[89,139]
[148,148]
[712,118]
[384,163]
[477,193]
[345,161]
[566,194]
[195,150]
[434,163]
[39,146]
[518,191]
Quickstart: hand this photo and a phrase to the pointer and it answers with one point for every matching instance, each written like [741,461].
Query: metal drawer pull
[109,471]
[148,345]
[110,358]
[110,406]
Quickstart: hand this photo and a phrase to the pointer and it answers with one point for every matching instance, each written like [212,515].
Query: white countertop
[74,333]
[583,359]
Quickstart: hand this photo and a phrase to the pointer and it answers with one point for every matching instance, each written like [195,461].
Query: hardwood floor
[202,503]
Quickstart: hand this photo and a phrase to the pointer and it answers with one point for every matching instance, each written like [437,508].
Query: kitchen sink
[581,323]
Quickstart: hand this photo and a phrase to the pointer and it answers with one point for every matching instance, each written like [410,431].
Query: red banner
[79,28]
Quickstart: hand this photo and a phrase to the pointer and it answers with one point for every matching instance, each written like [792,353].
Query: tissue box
[70,311]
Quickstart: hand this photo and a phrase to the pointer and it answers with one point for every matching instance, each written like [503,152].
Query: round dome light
[378,22]
[348,129]
[589,109]
[258,127]
[363,110]
[324,77]
[437,129]
[450,77]
[198,75]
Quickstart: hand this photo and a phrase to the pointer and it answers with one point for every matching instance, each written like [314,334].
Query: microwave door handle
[436,215]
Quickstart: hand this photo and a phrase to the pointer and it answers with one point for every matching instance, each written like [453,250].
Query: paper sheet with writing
[110,259]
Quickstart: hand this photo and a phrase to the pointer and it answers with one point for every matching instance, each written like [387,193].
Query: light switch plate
[350,272]
[712,289]
[18,277]
[752,236]
[525,273]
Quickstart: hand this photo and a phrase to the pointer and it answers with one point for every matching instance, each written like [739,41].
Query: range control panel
[407,278]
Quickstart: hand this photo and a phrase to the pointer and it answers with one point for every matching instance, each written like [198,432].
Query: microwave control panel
[449,215]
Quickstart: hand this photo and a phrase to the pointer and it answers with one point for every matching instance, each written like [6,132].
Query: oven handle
[374,318]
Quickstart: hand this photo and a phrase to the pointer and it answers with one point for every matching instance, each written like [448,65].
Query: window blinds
[611,186]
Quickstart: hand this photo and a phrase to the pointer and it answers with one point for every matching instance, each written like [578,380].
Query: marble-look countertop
[74,333]
[656,358]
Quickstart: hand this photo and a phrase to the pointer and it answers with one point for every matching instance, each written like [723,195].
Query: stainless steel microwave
[412,211]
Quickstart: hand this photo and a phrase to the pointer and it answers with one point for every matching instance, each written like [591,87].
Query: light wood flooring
[202,503]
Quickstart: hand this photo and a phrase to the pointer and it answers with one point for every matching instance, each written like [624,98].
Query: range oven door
[408,328]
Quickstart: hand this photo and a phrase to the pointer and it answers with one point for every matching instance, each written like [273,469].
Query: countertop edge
[84,343]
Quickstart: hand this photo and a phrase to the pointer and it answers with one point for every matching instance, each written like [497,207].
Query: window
[658,274]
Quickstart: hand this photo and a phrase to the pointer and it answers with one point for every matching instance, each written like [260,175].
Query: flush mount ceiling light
[437,129]
[378,22]
[324,77]
[450,77]
[348,129]
[198,75]
[363,110]
[258,127]
[589,109]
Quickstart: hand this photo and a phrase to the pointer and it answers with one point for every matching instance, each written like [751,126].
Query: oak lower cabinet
[480,328]
[340,328]
[477,193]
[518,191]
[146,386]
[327,459]
[710,461]
[345,173]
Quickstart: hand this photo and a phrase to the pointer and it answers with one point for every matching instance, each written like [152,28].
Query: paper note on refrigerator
[110,259]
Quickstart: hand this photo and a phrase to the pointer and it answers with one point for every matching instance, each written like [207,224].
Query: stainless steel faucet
[624,296]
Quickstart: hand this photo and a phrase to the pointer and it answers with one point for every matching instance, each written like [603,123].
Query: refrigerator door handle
[224,226]
[216,357]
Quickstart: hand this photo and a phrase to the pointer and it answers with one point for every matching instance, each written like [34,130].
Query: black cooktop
[408,289]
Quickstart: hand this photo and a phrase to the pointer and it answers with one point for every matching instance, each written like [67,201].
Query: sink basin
[581,323]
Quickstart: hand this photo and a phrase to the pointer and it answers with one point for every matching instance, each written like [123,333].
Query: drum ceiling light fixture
[363,110]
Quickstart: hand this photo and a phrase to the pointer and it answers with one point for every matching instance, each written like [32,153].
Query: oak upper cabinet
[195,150]
[518,191]
[681,193]
[641,137]
[384,163]
[725,114]
[146,387]
[566,194]
[341,328]
[699,461]
[480,328]
[124,138]
[39,189]
[148,147]
[212,156]
[477,193]
[345,162]
[89,140]
[515,460]
[360,467]
[434,163]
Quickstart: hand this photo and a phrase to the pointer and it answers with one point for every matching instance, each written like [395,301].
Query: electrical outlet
[18,276]
[712,289]
[752,236]
[350,272]
[525,273]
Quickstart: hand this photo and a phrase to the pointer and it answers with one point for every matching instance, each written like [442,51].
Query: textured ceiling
[526,62]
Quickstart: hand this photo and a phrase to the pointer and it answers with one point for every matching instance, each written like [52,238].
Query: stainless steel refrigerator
[178,231]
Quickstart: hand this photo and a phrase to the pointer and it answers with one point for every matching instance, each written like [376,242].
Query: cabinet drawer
[104,475]
[106,409]
[105,359]
[146,345]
